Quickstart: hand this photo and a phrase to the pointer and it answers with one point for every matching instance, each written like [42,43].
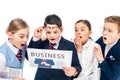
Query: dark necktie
[51,46]
[19,55]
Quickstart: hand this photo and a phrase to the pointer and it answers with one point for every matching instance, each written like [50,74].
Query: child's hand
[38,32]
[43,38]
[78,43]
[70,71]
[98,53]
[19,79]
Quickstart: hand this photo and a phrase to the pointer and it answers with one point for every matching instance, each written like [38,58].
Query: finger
[39,29]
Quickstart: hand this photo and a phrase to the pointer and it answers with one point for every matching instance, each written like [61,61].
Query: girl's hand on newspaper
[69,71]
[19,79]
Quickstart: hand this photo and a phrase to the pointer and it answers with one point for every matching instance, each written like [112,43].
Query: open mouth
[22,45]
[52,39]
[104,38]
[80,37]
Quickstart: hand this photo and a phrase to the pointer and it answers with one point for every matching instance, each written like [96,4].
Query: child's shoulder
[91,43]
[3,45]
[66,40]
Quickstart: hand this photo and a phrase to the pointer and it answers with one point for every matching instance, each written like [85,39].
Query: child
[53,29]
[10,66]
[85,45]
[108,53]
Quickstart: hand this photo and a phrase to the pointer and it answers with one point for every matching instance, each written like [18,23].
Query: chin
[20,47]
[52,41]
[105,42]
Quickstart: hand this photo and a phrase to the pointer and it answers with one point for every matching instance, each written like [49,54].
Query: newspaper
[11,73]
[44,58]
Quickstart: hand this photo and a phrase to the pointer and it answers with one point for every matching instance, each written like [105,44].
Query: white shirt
[108,47]
[55,46]
[3,59]
[89,63]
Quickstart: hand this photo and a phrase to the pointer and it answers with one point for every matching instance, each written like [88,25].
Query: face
[53,33]
[19,38]
[110,33]
[82,31]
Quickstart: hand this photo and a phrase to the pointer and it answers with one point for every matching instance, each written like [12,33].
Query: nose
[78,32]
[52,34]
[104,32]
[25,39]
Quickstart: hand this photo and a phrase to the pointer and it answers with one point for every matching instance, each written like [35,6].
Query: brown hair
[53,19]
[86,22]
[16,24]
[114,19]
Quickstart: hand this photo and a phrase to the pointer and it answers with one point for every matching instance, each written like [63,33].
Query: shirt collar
[86,45]
[110,45]
[57,43]
[58,40]
[14,49]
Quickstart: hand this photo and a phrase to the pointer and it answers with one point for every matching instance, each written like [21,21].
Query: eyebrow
[51,27]
[21,34]
[82,27]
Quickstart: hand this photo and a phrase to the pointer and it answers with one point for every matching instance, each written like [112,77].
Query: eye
[76,30]
[82,30]
[109,31]
[55,32]
[21,36]
[48,32]
[27,36]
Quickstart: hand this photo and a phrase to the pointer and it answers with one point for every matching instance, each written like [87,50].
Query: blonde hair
[16,24]
[113,19]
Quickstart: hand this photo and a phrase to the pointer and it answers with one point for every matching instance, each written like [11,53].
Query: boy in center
[53,30]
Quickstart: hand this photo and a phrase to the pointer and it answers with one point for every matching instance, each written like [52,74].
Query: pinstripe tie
[19,55]
[52,46]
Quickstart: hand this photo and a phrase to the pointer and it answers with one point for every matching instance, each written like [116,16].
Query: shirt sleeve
[35,39]
[5,79]
[2,65]
[2,62]
[96,70]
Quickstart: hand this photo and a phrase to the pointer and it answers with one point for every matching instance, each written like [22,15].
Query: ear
[90,32]
[119,34]
[61,29]
[10,35]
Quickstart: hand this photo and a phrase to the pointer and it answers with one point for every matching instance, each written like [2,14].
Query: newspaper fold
[11,73]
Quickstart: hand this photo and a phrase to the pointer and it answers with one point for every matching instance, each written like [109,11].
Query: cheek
[76,34]
[17,40]
[86,34]
[114,37]
[14,38]
[58,34]
[47,36]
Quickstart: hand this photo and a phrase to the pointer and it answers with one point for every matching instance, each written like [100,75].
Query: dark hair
[86,22]
[113,19]
[53,19]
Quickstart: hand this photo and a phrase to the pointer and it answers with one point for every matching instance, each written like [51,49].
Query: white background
[34,12]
